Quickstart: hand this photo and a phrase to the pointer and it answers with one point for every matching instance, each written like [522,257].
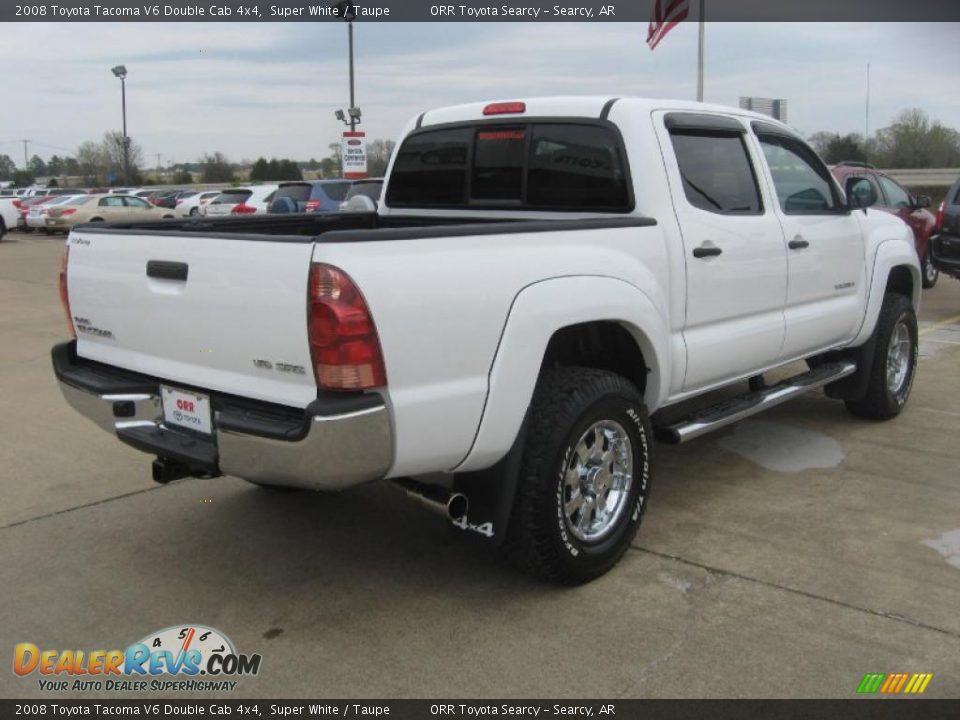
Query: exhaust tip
[457,506]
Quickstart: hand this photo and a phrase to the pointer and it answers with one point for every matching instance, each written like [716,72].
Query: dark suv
[893,198]
[945,243]
[310,196]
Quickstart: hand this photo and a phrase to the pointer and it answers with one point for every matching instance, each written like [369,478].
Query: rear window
[541,166]
[336,190]
[231,197]
[369,189]
[300,193]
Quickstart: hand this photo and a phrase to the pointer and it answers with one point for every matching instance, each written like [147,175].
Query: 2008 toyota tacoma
[505,336]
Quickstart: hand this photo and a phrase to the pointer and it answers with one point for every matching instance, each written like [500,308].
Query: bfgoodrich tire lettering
[896,347]
[570,404]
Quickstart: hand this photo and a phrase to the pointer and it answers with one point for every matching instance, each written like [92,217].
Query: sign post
[354,154]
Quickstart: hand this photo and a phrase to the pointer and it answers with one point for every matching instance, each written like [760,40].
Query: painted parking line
[937,325]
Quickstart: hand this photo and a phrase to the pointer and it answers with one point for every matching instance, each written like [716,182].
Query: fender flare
[890,254]
[537,312]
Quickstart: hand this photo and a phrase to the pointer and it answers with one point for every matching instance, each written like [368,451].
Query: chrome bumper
[337,451]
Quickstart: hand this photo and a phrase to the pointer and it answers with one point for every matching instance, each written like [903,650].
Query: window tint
[299,192]
[716,172]
[431,169]
[231,197]
[336,190]
[136,202]
[114,201]
[549,166]
[369,189]
[577,166]
[802,182]
[896,196]
[498,164]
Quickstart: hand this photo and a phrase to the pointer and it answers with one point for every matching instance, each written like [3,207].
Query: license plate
[186,409]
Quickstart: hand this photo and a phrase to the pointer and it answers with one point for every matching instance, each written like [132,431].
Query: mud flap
[853,387]
[491,494]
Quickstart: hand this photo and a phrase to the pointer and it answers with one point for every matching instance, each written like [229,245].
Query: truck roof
[594,106]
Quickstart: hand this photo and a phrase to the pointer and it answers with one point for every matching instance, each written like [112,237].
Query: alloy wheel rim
[597,481]
[898,358]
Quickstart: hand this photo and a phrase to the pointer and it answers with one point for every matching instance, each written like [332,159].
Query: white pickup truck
[543,282]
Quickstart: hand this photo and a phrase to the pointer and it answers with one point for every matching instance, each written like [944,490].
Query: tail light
[18,204]
[64,297]
[940,211]
[344,346]
[314,205]
[68,211]
[242,209]
[179,202]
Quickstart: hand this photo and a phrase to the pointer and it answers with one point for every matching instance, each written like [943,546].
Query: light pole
[348,12]
[121,72]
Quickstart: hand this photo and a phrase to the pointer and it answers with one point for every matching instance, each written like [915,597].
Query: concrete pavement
[784,558]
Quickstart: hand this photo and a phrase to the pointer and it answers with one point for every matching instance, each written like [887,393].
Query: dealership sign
[354,154]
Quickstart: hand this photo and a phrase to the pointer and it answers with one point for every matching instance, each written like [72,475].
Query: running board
[743,406]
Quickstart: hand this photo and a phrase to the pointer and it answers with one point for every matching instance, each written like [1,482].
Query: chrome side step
[743,406]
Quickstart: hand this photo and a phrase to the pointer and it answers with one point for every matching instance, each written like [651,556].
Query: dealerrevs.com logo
[178,658]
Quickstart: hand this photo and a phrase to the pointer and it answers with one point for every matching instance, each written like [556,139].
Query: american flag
[664,20]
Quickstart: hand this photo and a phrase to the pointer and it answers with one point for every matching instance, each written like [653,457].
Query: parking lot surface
[786,556]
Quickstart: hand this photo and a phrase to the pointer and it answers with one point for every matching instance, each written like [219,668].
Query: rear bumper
[334,443]
[945,253]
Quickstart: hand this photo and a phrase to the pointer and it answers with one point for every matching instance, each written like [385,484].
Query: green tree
[378,156]
[37,166]
[55,165]
[260,170]
[916,141]
[23,178]
[112,146]
[182,177]
[288,170]
[71,166]
[846,147]
[7,167]
[53,183]
[216,168]
[92,163]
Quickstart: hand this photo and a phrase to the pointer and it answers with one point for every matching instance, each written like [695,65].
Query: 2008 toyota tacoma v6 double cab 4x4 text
[503,335]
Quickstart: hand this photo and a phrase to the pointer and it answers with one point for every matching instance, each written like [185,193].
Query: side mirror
[860,193]
[922,201]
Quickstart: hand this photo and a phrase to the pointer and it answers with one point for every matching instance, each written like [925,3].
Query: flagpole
[700,57]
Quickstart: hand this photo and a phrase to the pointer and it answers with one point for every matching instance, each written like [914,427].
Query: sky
[271,89]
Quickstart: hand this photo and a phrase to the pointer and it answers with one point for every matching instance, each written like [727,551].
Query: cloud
[252,89]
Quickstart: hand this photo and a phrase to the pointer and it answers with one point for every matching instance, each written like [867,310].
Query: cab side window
[896,196]
[111,202]
[716,171]
[802,182]
[136,202]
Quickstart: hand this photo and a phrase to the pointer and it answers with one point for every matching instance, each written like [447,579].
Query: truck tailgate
[225,314]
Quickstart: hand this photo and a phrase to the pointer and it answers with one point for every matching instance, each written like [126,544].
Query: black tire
[279,489]
[929,274]
[96,219]
[3,229]
[194,212]
[880,401]
[26,229]
[567,403]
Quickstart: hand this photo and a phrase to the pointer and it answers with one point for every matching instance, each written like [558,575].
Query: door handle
[798,244]
[166,270]
[706,251]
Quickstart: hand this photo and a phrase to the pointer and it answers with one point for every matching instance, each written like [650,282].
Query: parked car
[103,208]
[164,198]
[369,187]
[893,198]
[25,206]
[945,243]
[9,214]
[310,196]
[192,203]
[37,214]
[508,360]
[241,201]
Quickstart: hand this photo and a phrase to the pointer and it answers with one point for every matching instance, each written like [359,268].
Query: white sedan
[241,201]
[193,203]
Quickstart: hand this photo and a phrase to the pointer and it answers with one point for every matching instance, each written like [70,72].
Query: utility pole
[700,54]
[866,122]
[353,120]
[159,171]
[26,165]
[120,71]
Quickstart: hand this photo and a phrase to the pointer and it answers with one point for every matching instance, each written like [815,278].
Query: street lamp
[348,12]
[120,71]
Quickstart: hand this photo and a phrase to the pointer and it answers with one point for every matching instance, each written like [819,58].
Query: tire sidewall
[928,266]
[907,315]
[630,414]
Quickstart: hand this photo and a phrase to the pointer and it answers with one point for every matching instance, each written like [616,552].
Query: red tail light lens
[64,296]
[179,202]
[17,204]
[344,346]
[242,209]
[940,211]
[505,108]
[68,211]
[314,205]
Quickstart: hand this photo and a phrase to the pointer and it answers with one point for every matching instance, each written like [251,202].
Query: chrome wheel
[597,481]
[929,270]
[899,357]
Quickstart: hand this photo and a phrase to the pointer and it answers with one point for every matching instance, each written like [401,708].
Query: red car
[893,198]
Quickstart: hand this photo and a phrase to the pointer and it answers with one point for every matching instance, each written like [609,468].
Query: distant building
[774,107]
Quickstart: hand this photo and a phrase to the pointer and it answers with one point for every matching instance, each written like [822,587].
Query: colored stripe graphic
[894,683]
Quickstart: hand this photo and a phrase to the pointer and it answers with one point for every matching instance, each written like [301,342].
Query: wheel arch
[896,269]
[587,321]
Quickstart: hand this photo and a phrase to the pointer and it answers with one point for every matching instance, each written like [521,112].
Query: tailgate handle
[166,270]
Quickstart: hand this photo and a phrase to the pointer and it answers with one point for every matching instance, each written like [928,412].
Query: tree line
[102,164]
[912,141]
